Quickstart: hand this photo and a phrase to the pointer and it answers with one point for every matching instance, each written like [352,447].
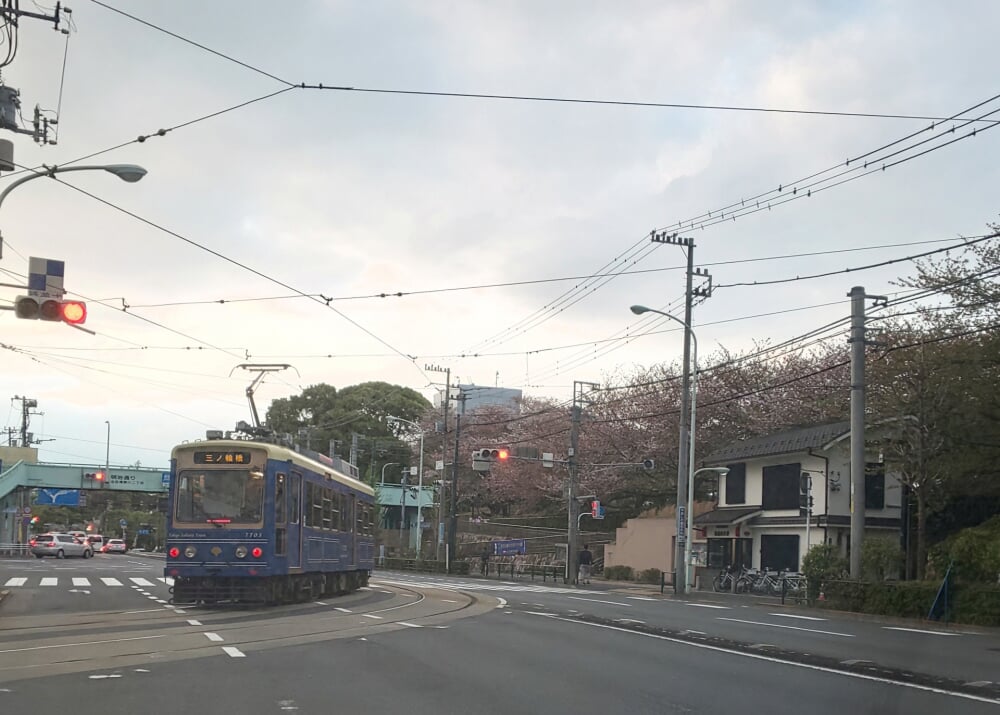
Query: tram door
[352,521]
[294,520]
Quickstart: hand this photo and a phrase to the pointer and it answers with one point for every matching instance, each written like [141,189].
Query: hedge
[618,573]
[967,603]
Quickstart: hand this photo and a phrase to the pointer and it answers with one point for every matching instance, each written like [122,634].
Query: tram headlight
[190,552]
[241,552]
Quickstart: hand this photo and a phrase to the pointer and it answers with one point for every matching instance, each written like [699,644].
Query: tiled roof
[787,442]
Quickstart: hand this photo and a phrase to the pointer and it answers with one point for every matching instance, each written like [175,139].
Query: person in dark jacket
[586,560]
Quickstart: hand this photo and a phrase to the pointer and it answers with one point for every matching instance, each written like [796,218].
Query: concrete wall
[648,541]
[11,455]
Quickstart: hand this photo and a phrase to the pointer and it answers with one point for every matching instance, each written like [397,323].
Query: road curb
[3,595]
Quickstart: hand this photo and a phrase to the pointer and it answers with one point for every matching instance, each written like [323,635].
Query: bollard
[784,590]
[663,581]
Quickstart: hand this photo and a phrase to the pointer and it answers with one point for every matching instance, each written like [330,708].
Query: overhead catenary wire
[753,205]
[233,261]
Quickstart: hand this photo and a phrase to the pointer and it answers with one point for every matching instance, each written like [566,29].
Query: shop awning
[727,516]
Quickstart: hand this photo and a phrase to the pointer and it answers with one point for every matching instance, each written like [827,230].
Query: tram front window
[220,496]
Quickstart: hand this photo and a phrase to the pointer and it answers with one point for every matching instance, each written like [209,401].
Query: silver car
[60,546]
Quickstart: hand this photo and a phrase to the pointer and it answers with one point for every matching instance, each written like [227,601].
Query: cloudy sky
[345,195]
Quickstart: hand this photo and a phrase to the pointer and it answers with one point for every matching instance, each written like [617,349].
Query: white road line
[791,628]
[642,598]
[166,579]
[443,600]
[918,630]
[319,603]
[81,581]
[793,615]
[342,610]
[409,625]
[503,602]
[160,600]
[148,610]
[215,637]
[193,622]
[597,600]
[17,581]
[371,615]
[177,610]
[709,605]
[233,652]
[50,582]
[74,645]
[140,581]
[779,661]
[109,581]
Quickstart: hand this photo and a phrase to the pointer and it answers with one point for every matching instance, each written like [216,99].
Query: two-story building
[758,523]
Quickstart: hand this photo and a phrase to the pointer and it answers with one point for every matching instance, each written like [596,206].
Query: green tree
[322,414]
[823,563]
[880,558]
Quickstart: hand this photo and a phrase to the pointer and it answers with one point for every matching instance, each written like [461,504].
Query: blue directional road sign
[165,479]
[511,547]
[58,497]
[122,523]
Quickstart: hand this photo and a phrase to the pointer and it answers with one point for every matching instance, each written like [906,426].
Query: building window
[736,484]
[781,486]
[874,486]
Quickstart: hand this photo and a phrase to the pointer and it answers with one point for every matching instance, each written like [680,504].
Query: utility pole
[444,451]
[572,527]
[857,341]
[453,522]
[27,404]
[683,453]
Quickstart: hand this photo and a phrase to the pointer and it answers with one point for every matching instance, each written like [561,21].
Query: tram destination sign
[222,457]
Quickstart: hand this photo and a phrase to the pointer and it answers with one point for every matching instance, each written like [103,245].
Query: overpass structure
[25,485]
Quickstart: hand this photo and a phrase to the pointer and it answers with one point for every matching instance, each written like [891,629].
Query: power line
[200,46]
[752,205]
[856,269]
[217,254]
[536,281]
[158,133]
[625,103]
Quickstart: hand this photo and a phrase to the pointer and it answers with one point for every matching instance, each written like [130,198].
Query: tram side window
[327,509]
[317,506]
[335,517]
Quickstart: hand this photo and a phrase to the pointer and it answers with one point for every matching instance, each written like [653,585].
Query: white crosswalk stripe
[77,581]
[166,579]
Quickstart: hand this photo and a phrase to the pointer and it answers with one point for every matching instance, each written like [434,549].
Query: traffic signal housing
[73,312]
[483,458]
[805,494]
[99,477]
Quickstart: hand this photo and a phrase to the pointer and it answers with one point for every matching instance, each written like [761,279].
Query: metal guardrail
[21,550]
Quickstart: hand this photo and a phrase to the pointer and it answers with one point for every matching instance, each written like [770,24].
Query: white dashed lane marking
[213,637]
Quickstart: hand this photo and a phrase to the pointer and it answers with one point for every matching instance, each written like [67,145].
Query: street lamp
[683,522]
[107,453]
[420,482]
[390,464]
[126,172]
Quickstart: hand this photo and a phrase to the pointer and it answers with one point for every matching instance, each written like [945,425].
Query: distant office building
[477,397]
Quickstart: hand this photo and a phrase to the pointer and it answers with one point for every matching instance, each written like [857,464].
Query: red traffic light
[74,312]
[99,476]
[502,454]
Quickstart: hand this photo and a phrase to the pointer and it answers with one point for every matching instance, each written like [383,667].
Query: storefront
[729,542]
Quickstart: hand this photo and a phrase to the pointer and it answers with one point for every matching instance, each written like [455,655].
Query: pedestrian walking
[586,560]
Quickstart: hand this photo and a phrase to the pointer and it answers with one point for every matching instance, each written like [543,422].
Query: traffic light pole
[453,522]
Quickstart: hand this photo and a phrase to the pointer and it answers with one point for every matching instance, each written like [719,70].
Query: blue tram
[251,522]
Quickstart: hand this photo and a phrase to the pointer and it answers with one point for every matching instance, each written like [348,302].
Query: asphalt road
[426,645]
[967,654]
